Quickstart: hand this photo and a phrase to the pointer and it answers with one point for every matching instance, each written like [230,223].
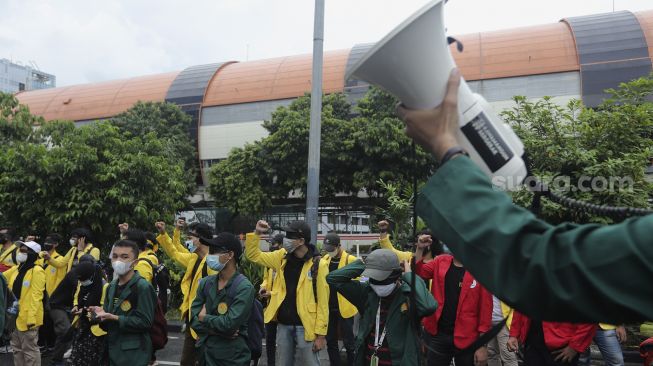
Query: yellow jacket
[55,271]
[73,255]
[143,267]
[507,313]
[314,316]
[268,283]
[385,243]
[30,305]
[347,309]
[7,256]
[95,329]
[186,259]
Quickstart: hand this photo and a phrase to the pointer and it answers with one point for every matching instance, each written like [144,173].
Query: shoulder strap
[148,262]
[208,286]
[231,294]
[314,271]
[205,271]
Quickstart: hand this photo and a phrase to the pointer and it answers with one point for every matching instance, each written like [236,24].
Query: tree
[16,122]
[574,148]
[95,175]
[356,151]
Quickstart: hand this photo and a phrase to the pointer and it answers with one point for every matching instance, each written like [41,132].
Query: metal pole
[313,186]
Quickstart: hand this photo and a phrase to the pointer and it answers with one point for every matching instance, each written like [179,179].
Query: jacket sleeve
[253,253]
[322,320]
[425,303]
[142,317]
[520,258]
[37,288]
[144,269]
[343,281]
[517,325]
[58,262]
[179,257]
[95,252]
[486,306]
[426,270]
[176,242]
[385,243]
[582,337]
[237,314]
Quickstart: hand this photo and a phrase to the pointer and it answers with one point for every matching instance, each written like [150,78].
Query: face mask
[48,247]
[383,290]
[191,247]
[289,245]
[72,242]
[87,282]
[333,254]
[21,257]
[213,261]
[120,268]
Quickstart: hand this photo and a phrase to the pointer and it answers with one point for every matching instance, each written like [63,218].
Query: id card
[374,361]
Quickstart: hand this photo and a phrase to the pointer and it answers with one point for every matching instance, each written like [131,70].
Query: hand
[621,334]
[480,357]
[263,293]
[81,243]
[406,265]
[160,226]
[512,344]
[103,315]
[123,227]
[424,241]
[383,225]
[30,238]
[262,227]
[75,311]
[566,354]
[435,129]
[180,224]
[235,335]
[319,343]
[45,255]
[202,314]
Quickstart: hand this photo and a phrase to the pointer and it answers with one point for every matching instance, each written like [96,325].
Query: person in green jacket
[3,301]
[566,272]
[128,312]
[222,306]
[386,332]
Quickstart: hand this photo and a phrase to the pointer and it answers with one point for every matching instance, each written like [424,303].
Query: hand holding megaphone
[435,129]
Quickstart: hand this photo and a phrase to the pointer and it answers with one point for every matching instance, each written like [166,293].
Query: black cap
[277,239]
[298,229]
[201,230]
[331,242]
[227,242]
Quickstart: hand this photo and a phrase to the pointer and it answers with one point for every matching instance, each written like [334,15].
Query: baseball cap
[200,230]
[33,245]
[298,229]
[226,242]
[380,264]
[331,242]
[277,239]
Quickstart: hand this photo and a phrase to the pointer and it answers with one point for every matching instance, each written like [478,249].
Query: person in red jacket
[549,343]
[464,310]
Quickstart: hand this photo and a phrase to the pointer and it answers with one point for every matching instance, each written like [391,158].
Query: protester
[88,341]
[219,312]
[549,343]
[27,283]
[387,333]
[54,266]
[570,269]
[608,339]
[497,349]
[385,243]
[8,251]
[80,241]
[193,260]
[300,302]
[128,312]
[265,293]
[4,292]
[147,260]
[464,311]
[341,311]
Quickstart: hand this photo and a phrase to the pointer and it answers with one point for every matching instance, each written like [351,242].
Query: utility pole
[313,177]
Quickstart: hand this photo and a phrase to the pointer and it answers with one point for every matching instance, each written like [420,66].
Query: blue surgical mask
[213,261]
[191,247]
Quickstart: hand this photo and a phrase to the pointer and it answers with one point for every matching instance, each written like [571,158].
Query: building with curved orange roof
[575,58]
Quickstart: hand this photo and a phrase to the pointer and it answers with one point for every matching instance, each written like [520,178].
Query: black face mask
[274,248]
[48,247]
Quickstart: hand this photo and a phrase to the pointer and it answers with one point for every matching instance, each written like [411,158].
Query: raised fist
[384,226]
[160,226]
[262,227]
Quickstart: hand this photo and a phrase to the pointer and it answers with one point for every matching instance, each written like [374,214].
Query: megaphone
[413,62]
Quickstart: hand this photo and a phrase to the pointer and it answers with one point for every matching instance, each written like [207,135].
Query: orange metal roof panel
[99,100]
[646,21]
[278,78]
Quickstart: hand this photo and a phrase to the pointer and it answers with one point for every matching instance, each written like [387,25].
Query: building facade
[16,78]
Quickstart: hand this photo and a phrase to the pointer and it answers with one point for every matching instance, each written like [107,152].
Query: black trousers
[61,323]
[47,338]
[540,356]
[271,342]
[346,327]
[188,352]
[443,351]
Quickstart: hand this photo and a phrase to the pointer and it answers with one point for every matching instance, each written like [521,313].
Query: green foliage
[613,140]
[16,122]
[356,151]
[398,210]
[252,271]
[95,175]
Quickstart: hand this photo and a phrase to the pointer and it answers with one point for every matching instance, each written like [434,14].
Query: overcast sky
[83,41]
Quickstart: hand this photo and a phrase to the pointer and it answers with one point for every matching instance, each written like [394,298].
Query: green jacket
[567,272]
[128,340]
[3,301]
[216,348]
[401,336]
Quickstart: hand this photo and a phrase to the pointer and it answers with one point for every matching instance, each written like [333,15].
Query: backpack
[159,330]
[160,282]
[255,323]
[314,270]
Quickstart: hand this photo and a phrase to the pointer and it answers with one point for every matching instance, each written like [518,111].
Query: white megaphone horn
[413,63]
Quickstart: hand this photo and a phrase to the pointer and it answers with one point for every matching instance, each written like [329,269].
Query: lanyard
[379,341]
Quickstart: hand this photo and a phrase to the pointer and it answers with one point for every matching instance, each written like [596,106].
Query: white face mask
[120,268]
[333,254]
[72,242]
[21,257]
[289,245]
[87,282]
[383,290]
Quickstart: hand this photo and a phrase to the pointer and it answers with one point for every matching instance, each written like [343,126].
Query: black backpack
[160,282]
[255,323]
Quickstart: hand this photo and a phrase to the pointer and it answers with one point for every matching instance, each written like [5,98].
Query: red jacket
[474,313]
[556,335]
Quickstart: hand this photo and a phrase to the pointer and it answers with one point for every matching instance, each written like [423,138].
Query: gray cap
[331,242]
[380,264]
